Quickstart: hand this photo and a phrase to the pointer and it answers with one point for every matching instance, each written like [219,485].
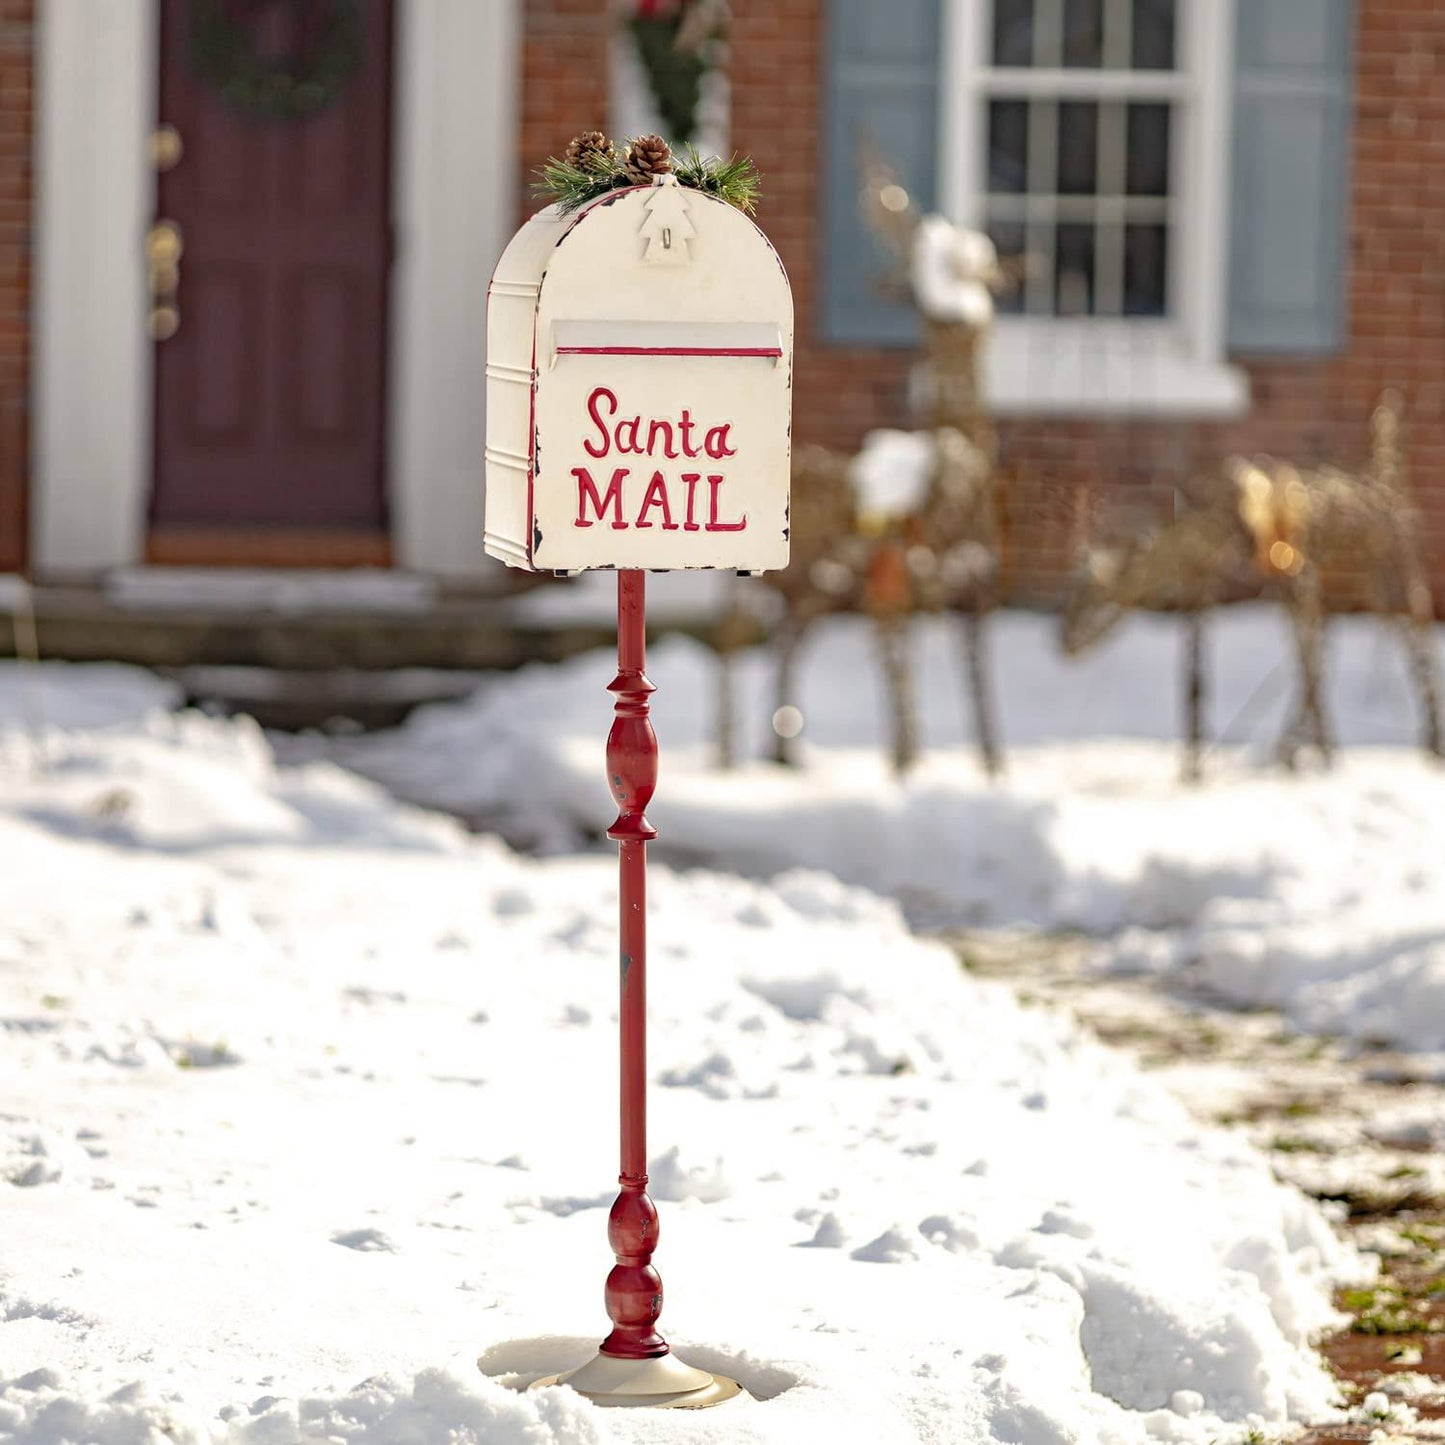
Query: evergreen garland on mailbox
[591,166]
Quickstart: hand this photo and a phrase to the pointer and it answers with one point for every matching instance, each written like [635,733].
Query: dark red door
[270,394]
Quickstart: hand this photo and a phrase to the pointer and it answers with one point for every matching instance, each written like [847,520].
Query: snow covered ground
[1318,893]
[308,1105]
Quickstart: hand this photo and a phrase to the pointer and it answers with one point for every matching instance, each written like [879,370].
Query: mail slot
[639,374]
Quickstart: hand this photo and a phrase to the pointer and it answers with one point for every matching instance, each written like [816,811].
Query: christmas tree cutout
[668,227]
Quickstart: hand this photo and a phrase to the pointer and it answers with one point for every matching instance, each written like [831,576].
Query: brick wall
[16,27]
[564,80]
[1306,410]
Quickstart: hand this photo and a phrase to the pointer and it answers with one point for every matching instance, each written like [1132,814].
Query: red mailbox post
[638,402]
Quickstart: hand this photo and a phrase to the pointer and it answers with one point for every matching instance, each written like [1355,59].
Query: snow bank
[79,694]
[439,1407]
[1315,894]
[309,1105]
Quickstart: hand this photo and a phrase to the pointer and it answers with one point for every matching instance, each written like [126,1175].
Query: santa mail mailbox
[639,372]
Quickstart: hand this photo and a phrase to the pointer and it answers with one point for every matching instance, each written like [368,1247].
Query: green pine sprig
[734,180]
[569,186]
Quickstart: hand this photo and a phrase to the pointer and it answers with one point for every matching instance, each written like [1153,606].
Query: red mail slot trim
[771,351]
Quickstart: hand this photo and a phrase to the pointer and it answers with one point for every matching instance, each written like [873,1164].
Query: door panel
[270,396]
[219,390]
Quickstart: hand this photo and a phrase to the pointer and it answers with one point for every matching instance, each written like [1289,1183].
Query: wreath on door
[224,55]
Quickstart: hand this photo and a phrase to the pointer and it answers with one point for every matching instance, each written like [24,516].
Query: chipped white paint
[639,370]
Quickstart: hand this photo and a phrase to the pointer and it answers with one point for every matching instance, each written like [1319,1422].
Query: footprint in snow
[368,1241]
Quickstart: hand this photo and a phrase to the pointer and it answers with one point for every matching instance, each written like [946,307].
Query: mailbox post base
[634,1367]
[661,1383]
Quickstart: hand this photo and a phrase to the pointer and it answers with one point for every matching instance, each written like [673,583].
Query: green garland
[674,75]
[223,55]
[570,186]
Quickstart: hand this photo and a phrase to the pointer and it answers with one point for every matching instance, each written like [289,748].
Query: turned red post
[634,1288]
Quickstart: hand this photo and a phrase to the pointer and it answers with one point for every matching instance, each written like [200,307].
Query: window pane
[1013,32]
[1084,33]
[1153,44]
[1145,249]
[1147,165]
[1008,145]
[1078,147]
[1008,238]
[1074,270]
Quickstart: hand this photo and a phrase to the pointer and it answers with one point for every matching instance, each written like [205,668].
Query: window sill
[1140,369]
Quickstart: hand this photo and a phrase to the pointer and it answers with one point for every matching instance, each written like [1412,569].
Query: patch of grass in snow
[1391,1309]
[1393,1320]
[1356,1300]
[1422,1235]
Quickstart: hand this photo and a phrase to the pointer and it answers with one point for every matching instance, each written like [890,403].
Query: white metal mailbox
[639,388]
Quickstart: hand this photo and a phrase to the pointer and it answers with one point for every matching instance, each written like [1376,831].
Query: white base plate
[661,1383]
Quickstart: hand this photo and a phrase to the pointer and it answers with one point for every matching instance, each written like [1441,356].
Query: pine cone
[647,156]
[590,151]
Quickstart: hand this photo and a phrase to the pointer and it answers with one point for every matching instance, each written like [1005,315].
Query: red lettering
[714,483]
[690,481]
[716,442]
[625,426]
[686,424]
[656,496]
[597,392]
[665,429]
[587,491]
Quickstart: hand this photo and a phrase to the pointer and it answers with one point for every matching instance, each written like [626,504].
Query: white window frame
[1140,366]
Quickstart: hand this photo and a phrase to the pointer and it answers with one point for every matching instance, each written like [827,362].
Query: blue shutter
[1289,216]
[882,87]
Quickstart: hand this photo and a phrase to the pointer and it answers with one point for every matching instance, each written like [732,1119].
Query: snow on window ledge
[1125,369]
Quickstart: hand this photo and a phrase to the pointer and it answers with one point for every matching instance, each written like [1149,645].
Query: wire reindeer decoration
[925,539]
[1267,520]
